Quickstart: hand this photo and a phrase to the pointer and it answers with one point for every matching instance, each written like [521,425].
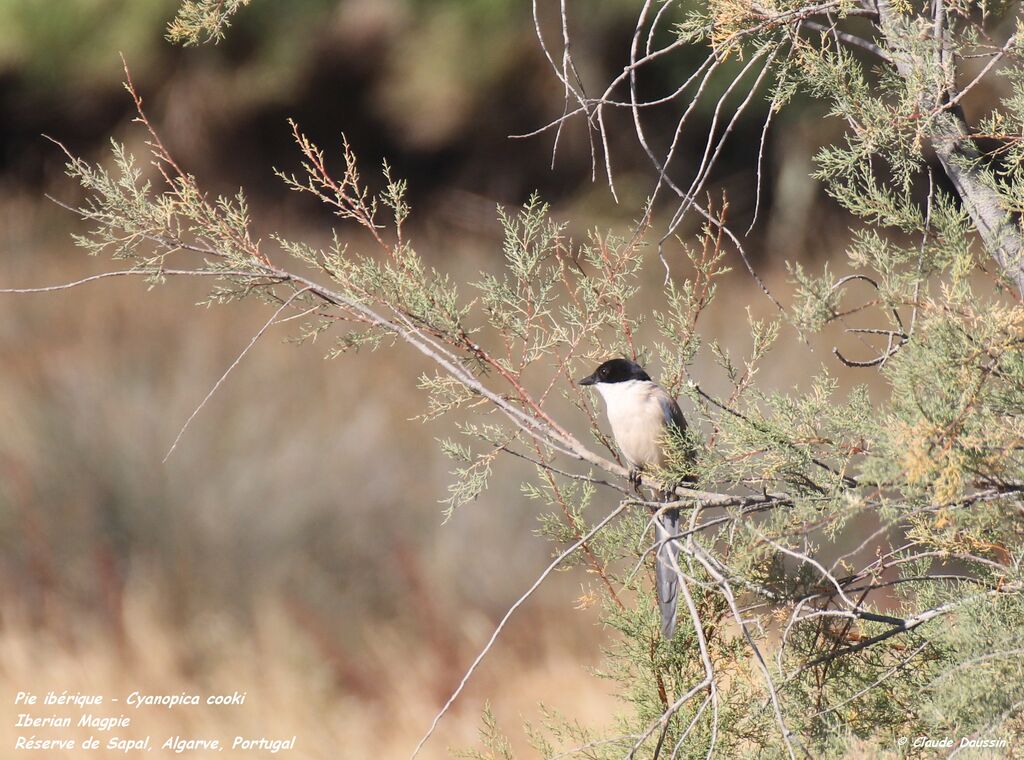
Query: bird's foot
[634,478]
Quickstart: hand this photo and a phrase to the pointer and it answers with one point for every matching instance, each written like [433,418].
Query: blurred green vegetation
[64,45]
[435,86]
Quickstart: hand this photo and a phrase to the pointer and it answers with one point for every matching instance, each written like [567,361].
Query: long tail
[665,573]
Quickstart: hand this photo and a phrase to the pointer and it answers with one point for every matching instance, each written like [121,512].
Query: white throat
[619,396]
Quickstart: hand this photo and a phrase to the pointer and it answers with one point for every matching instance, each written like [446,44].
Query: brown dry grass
[289,689]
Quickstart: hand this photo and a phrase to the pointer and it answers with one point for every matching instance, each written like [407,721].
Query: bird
[643,416]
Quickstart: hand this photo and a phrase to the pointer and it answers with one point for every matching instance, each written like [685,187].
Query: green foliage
[71,47]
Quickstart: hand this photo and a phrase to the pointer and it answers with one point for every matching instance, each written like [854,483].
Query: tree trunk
[949,137]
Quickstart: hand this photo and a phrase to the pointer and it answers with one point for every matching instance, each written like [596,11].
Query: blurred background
[257,558]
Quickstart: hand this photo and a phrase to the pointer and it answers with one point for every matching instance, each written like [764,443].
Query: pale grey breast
[639,413]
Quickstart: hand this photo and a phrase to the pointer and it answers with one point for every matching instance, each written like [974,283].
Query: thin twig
[504,620]
[234,364]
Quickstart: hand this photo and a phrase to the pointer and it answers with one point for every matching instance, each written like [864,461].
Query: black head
[616,371]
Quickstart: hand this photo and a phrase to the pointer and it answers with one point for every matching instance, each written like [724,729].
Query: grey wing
[673,414]
[675,421]
[676,414]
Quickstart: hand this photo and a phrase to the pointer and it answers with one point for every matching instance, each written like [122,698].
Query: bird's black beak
[588,380]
